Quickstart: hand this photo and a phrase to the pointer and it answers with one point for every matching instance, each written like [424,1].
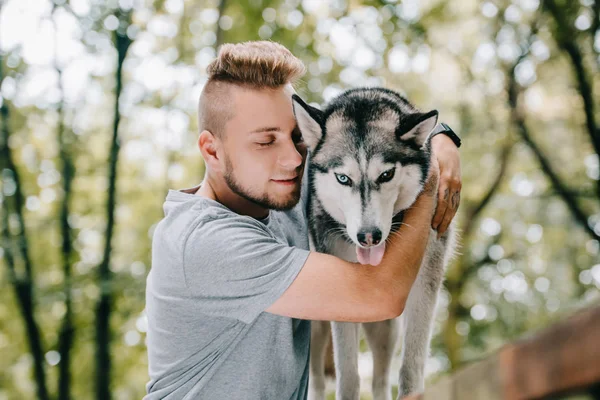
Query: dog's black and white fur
[370,157]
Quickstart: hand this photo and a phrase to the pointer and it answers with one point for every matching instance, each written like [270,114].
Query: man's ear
[209,149]
[419,126]
[309,121]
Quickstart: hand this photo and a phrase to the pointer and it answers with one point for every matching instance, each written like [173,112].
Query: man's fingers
[442,205]
[450,213]
[455,200]
[446,221]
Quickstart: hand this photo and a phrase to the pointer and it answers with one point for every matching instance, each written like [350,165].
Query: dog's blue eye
[386,176]
[343,179]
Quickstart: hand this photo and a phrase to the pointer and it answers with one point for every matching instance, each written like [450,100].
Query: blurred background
[98,120]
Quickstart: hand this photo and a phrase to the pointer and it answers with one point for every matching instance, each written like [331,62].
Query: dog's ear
[419,126]
[309,121]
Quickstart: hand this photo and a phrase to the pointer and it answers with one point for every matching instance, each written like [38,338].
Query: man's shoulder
[214,225]
[186,212]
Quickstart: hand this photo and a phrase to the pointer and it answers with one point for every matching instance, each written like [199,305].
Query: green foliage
[526,263]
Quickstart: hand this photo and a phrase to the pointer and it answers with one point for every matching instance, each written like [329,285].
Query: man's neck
[219,191]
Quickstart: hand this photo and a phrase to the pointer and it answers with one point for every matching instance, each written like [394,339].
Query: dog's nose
[371,238]
[376,236]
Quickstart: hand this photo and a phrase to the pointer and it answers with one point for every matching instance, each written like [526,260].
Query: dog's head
[369,160]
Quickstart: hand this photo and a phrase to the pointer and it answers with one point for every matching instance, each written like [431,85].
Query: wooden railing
[561,360]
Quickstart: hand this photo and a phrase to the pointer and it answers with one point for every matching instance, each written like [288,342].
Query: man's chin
[278,197]
[284,205]
[285,202]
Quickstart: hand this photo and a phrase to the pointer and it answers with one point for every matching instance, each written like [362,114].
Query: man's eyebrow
[266,129]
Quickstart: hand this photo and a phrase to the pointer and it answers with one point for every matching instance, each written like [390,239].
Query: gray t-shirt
[214,272]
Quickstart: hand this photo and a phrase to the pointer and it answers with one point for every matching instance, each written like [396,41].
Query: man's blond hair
[255,65]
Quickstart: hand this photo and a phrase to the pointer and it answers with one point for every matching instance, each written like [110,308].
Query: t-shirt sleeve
[234,267]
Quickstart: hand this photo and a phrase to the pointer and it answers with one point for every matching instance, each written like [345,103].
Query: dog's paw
[409,383]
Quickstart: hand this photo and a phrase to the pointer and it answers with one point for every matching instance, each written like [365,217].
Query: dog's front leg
[320,331]
[418,318]
[345,352]
[382,337]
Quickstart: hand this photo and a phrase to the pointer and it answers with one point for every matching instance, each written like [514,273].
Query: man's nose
[290,158]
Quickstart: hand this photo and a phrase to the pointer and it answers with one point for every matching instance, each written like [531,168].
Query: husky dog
[370,157]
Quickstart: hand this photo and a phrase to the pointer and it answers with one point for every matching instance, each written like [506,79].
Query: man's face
[264,152]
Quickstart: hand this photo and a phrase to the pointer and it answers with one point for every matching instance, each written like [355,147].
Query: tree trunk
[103,310]
[67,330]
[22,282]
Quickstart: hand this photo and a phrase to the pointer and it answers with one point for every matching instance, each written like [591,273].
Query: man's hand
[446,153]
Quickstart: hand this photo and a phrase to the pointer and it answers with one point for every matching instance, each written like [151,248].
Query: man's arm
[329,288]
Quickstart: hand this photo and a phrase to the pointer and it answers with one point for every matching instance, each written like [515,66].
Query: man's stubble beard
[263,201]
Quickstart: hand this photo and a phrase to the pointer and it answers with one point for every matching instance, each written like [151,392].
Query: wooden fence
[561,361]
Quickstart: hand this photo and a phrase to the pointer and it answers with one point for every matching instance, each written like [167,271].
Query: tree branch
[518,119]
[573,192]
[474,212]
[566,39]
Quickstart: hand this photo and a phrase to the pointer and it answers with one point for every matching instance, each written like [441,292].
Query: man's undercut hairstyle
[253,65]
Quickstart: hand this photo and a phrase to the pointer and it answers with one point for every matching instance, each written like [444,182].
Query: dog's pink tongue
[372,255]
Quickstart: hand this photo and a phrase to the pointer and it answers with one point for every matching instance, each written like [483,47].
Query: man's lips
[291,181]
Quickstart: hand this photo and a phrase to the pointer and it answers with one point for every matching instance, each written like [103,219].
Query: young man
[233,285]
